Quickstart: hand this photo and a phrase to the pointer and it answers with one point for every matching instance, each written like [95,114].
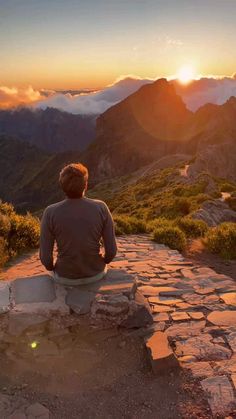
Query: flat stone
[80,301]
[180,315]
[37,410]
[4,297]
[231,338]
[161,355]
[200,369]
[229,298]
[226,366]
[155,291]
[202,348]
[34,289]
[204,290]
[182,330]
[197,299]
[222,318]
[161,317]
[20,322]
[162,309]
[220,395]
[116,281]
[164,301]
[196,315]
[183,306]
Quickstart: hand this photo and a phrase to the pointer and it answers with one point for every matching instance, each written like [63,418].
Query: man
[77,225]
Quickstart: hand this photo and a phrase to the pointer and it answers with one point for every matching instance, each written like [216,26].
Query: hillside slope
[50,130]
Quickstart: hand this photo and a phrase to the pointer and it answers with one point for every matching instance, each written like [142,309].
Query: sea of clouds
[212,89]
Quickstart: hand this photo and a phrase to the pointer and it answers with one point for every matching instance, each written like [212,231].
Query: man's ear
[86,186]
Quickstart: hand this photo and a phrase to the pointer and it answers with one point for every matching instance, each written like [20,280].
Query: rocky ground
[156,339]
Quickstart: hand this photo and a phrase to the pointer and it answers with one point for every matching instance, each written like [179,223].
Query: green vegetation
[170,236]
[192,228]
[128,225]
[17,232]
[222,240]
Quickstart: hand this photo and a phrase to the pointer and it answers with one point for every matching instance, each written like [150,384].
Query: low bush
[170,236]
[17,232]
[4,256]
[222,240]
[192,228]
[25,232]
[157,223]
[128,225]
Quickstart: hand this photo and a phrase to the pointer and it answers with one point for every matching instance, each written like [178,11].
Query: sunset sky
[58,44]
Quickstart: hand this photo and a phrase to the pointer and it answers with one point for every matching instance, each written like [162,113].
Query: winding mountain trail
[78,370]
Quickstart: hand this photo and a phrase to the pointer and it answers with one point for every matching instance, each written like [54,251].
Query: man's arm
[46,243]
[109,238]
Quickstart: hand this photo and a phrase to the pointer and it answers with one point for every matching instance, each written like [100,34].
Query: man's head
[73,180]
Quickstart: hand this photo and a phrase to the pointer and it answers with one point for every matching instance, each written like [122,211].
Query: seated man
[77,225]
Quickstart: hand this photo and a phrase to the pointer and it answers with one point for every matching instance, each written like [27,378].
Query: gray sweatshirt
[77,226]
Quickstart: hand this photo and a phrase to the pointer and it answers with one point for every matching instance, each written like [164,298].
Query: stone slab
[229,298]
[231,338]
[161,355]
[182,330]
[180,315]
[4,297]
[35,289]
[200,369]
[202,348]
[223,318]
[164,301]
[220,395]
[79,301]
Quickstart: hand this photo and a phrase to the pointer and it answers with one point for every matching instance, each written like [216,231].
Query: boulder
[140,314]
[215,212]
[161,355]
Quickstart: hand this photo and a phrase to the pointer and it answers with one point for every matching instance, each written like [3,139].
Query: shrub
[222,240]
[192,228]
[5,225]
[157,223]
[170,236]
[227,187]
[3,252]
[128,225]
[24,234]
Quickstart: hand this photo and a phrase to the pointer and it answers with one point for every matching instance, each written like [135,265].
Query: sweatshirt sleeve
[46,242]
[108,236]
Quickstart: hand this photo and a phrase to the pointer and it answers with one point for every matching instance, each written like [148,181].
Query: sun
[185,74]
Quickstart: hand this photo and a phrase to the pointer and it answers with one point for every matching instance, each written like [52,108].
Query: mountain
[154,122]
[29,176]
[145,126]
[151,127]
[50,130]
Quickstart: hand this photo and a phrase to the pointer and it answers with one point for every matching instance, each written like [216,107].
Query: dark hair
[73,180]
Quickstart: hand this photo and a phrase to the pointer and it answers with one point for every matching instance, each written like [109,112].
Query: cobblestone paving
[193,305]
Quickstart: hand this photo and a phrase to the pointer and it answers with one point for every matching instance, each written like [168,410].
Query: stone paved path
[194,306]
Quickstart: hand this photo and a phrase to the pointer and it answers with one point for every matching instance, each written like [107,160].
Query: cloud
[212,89]
[11,97]
[95,102]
